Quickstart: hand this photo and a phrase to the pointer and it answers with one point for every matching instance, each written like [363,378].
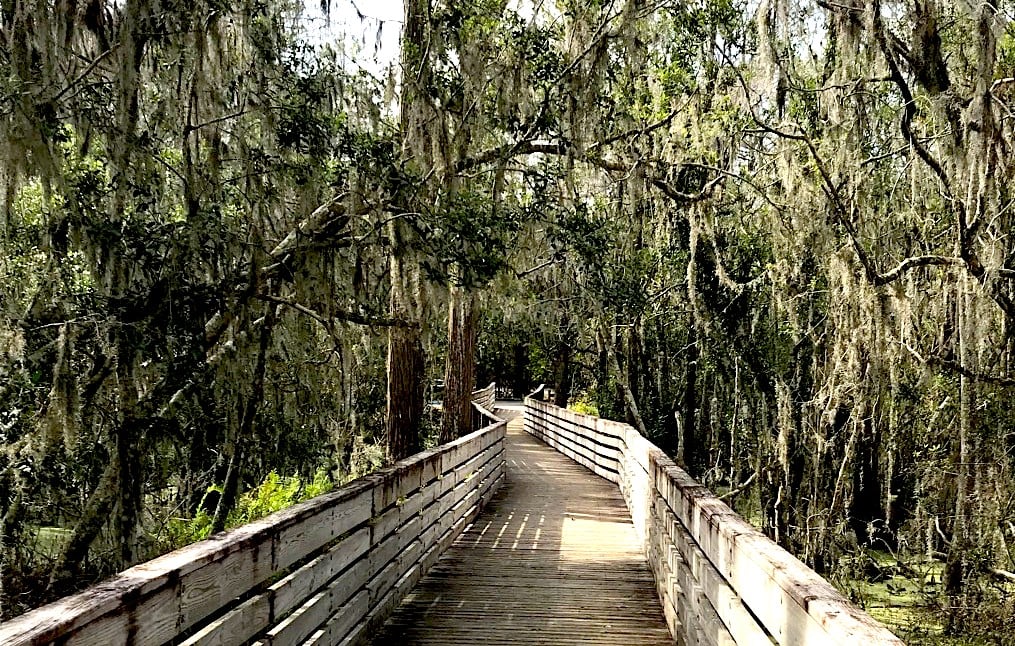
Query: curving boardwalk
[552,560]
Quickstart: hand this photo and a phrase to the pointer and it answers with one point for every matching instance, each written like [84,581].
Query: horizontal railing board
[596,432]
[486,397]
[287,593]
[594,451]
[237,626]
[326,551]
[180,583]
[728,581]
[741,624]
[589,443]
[756,566]
[669,593]
[401,512]
[683,583]
[341,622]
[600,458]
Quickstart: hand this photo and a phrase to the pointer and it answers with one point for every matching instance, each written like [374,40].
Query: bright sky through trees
[371,28]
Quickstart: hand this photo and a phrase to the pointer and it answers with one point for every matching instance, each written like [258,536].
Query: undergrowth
[273,494]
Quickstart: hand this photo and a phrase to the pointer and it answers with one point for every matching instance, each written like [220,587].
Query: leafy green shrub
[184,531]
[322,483]
[273,494]
[584,405]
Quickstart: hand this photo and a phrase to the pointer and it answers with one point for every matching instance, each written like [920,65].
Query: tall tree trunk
[563,368]
[129,499]
[520,379]
[95,515]
[230,489]
[565,379]
[236,449]
[866,509]
[635,361]
[405,363]
[405,369]
[460,368]
[957,562]
[688,446]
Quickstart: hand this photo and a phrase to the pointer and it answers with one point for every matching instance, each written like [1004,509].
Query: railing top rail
[492,387]
[490,415]
[486,397]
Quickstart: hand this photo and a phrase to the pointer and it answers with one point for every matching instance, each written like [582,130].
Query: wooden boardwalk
[552,560]
[550,557]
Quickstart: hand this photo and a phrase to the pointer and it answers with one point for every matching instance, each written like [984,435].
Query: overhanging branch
[340,316]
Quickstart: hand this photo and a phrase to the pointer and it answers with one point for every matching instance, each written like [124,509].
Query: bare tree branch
[344,316]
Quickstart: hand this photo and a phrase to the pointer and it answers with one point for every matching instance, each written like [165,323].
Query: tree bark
[405,364]
[405,371]
[565,382]
[248,414]
[95,515]
[688,446]
[564,369]
[460,368]
[957,563]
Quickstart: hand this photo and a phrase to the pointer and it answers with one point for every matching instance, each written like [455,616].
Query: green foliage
[144,299]
[907,597]
[1006,53]
[467,241]
[365,458]
[585,405]
[184,531]
[275,493]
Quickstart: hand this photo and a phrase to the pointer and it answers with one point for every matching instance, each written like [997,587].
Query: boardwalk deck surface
[552,560]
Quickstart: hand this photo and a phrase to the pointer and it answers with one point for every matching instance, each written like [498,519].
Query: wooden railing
[485,397]
[719,579]
[327,571]
[483,402]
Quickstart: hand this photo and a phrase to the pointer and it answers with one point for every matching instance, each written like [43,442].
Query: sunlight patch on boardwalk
[554,559]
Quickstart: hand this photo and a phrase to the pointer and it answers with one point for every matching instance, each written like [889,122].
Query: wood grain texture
[485,397]
[553,559]
[560,556]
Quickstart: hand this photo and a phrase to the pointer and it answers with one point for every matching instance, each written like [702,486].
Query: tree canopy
[775,236]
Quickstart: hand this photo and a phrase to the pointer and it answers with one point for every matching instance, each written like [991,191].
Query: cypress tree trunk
[565,375]
[459,373]
[957,562]
[689,448]
[405,364]
[564,367]
[520,380]
[630,403]
[405,371]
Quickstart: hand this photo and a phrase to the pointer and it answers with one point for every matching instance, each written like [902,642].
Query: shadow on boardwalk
[552,560]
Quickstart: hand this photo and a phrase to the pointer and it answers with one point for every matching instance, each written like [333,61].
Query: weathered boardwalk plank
[553,560]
